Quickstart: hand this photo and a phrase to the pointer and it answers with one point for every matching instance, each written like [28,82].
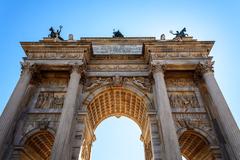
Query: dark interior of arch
[38,146]
[194,146]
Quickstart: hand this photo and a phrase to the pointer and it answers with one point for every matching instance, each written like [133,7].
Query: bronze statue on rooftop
[56,34]
[179,35]
[117,34]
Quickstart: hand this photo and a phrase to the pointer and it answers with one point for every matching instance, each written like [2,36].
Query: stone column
[62,143]
[224,117]
[170,140]
[10,113]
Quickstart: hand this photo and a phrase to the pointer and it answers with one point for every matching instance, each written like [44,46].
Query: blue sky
[216,20]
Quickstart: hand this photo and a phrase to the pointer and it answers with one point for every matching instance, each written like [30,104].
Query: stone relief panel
[50,100]
[184,100]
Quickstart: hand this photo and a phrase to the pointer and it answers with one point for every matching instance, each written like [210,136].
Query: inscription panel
[117,49]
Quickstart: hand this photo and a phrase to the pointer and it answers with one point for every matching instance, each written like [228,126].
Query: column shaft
[62,144]
[170,140]
[224,114]
[9,115]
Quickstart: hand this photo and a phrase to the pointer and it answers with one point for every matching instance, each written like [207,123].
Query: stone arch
[37,144]
[35,131]
[208,136]
[195,146]
[114,101]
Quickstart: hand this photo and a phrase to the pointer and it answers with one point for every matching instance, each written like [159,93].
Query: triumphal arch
[68,87]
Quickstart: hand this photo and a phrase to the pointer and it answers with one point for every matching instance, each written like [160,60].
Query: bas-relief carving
[47,100]
[40,121]
[183,100]
[139,82]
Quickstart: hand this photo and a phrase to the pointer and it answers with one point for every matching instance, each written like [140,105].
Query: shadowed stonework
[68,87]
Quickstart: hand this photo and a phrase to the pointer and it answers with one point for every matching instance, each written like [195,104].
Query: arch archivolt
[196,144]
[35,131]
[208,136]
[116,101]
[37,144]
[139,85]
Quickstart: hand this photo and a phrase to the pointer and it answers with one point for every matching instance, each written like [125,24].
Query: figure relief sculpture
[47,100]
[56,34]
[183,100]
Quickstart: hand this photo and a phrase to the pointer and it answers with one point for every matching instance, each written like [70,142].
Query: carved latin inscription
[117,49]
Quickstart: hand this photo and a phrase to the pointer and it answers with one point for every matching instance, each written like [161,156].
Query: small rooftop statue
[117,34]
[56,34]
[179,35]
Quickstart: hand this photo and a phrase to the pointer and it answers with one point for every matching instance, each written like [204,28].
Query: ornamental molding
[56,55]
[120,67]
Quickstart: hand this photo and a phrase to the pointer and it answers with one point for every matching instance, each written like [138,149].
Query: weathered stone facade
[167,87]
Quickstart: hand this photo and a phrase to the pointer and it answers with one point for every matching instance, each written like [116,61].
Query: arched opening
[194,146]
[116,101]
[118,139]
[38,146]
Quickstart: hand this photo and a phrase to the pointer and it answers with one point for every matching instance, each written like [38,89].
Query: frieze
[48,100]
[54,81]
[127,68]
[156,56]
[55,55]
[179,82]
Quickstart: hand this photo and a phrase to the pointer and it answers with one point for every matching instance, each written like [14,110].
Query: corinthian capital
[158,67]
[78,68]
[205,67]
[27,67]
